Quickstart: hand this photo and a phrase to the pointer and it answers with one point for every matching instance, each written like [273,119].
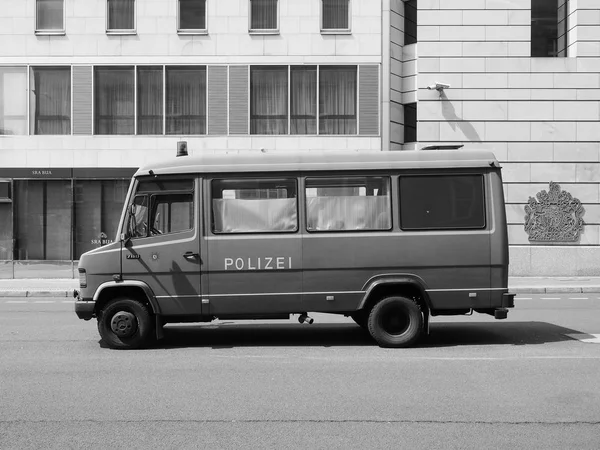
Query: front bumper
[84,308]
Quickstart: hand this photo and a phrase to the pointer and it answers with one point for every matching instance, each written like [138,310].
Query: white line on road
[550,298]
[68,301]
[44,301]
[524,298]
[590,338]
[578,298]
[16,301]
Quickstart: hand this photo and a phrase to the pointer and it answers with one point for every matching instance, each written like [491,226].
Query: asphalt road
[530,381]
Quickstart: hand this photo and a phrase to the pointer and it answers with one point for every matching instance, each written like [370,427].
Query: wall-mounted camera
[438,86]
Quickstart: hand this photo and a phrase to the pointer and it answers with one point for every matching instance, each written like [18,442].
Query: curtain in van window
[334,213]
[256,215]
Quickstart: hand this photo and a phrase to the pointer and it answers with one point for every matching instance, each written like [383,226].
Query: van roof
[258,161]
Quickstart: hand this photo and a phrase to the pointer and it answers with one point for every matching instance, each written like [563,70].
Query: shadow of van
[229,335]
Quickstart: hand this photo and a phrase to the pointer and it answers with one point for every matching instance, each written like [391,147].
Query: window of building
[120,16]
[114,100]
[264,15]
[186,100]
[50,100]
[42,214]
[13,100]
[442,202]
[191,16]
[348,204]
[548,39]
[49,16]
[337,100]
[254,206]
[269,100]
[410,22]
[335,15]
[150,100]
[97,207]
[410,122]
[303,100]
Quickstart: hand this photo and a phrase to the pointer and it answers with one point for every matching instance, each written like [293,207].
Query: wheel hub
[124,324]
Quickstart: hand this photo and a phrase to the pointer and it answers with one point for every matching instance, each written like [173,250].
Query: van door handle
[190,255]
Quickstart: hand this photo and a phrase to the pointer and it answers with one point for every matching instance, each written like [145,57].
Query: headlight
[82,278]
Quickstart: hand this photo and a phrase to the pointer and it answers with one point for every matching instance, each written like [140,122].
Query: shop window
[120,16]
[6,236]
[49,16]
[97,206]
[442,202]
[303,100]
[13,100]
[192,16]
[268,100]
[264,15]
[410,22]
[548,28]
[335,15]
[150,100]
[114,100]
[254,206]
[337,100]
[186,100]
[348,204]
[42,211]
[50,100]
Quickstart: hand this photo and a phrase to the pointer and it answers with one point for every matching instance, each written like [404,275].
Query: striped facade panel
[238,100]
[217,100]
[368,102]
[82,100]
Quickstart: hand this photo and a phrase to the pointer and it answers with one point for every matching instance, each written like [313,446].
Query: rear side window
[348,204]
[254,206]
[442,202]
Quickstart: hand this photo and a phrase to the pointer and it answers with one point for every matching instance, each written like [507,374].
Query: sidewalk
[518,285]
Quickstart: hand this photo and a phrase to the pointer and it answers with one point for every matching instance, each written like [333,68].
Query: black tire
[361,318]
[396,322]
[125,324]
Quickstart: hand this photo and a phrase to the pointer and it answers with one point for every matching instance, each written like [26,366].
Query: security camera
[438,86]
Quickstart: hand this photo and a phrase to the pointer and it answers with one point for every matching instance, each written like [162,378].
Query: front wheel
[396,322]
[125,324]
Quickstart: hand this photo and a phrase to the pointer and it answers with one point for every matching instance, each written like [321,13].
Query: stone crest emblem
[554,217]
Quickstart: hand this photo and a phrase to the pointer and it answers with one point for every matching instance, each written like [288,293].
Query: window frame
[484,201]
[31,120]
[336,30]
[274,178]
[390,203]
[192,31]
[263,30]
[133,69]
[51,32]
[122,31]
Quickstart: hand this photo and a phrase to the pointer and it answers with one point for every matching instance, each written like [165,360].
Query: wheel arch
[383,286]
[132,289]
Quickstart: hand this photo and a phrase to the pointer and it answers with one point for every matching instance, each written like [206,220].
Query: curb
[40,293]
[555,290]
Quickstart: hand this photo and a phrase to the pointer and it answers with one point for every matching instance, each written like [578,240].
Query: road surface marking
[550,298]
[590,338]
[68,301]
[16,301]
[578,298]
[44,301]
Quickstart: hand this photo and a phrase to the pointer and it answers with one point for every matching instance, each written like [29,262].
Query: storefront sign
[29,173]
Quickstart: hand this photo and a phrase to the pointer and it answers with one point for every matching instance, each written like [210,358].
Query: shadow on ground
[229,335]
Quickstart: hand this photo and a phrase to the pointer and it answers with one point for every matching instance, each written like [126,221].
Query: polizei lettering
[259,263]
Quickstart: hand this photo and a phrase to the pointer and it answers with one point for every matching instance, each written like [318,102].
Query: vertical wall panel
[238,100]
[82,100]
[368,91]
[217,100]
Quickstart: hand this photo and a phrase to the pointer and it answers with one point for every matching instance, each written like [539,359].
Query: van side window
[161,206]
[171,213]
[254,206]
[442,202]
[348,203]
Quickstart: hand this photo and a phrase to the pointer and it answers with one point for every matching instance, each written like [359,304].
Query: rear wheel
[125,324]
[396,322]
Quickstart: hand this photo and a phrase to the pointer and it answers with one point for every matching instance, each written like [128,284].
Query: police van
[387,238]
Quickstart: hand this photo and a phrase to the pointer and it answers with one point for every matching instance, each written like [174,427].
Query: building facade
[90,90]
